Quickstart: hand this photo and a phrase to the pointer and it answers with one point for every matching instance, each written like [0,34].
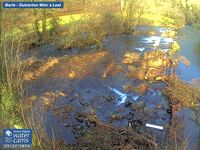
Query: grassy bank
[10,86]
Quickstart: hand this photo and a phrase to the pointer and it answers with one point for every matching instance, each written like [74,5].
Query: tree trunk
[44,24]
[36,28]
[122,5]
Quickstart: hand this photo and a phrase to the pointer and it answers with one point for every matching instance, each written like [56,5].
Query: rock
[196,82]
[110,98]
[175,109]
[78,127]
[71,100]
[158,106]
[148,110]
[128,103]
[69,108]
[88,124]
[138,122]
[129,116]
[136,106]
[72,75]
[129,124]
[77,95]
[68,124]
[163,107]
[115,117]
[79,119]
[169,111]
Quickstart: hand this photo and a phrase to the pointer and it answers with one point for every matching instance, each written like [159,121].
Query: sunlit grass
[62,20]
[156,20]
[69,18]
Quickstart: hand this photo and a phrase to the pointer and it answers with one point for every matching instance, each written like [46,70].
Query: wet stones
[137,106]
[110,98]
[86,117]
[115,117]
[78,127]
[77,95]
[129,116]
[79,119]
[148,110]
[169,111]
[68,125]
[48,98]
[89,124]
[131,57]
[128,103]
[63,111]
[160,107]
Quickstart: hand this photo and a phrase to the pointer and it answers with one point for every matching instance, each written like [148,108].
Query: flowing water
[106,97]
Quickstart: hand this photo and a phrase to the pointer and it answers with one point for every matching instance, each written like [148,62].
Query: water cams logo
[17,138]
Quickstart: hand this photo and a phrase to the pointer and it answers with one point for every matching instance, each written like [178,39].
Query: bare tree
[44,23]
[131,12]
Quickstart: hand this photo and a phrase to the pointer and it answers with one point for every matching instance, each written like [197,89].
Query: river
[106,97]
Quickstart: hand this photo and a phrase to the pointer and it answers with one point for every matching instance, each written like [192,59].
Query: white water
[123,96]
[163,30]
[156,40]
[140,49]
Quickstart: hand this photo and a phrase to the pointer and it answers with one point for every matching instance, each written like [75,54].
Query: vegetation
[191,11]
[115,139]
[176,88]
[84,23]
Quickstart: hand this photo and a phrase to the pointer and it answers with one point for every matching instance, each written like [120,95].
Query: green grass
[17,32]
[9,107]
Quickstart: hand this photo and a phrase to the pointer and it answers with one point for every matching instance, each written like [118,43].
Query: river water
[107,98]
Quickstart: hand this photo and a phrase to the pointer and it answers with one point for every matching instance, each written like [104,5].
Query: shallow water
[189,39]
[106,97]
